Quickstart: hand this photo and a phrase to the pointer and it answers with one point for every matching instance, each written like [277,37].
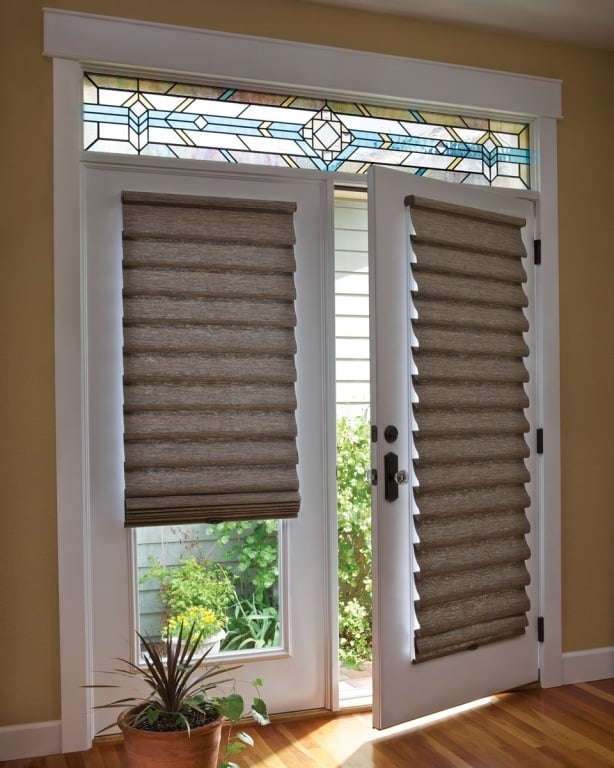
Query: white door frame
[74,39]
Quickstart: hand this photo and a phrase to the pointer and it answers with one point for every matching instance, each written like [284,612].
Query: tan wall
[28,573]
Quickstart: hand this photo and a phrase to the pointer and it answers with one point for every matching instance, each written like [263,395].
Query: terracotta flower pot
[172,749]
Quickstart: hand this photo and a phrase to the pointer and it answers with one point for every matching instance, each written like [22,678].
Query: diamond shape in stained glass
[138,108]
[441,147]
[326,134]
[200,122]
[489,145]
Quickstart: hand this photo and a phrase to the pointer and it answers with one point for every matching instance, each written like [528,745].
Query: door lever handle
[393,476]
[402,477]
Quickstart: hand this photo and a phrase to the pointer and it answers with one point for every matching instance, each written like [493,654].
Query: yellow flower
[200,618]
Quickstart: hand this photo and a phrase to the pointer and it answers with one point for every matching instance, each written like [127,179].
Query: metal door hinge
[539,439]
[537,252]
[540,629]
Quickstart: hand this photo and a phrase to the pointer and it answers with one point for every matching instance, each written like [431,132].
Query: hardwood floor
[567,727]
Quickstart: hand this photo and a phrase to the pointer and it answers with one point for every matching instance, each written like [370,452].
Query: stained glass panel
[139,116]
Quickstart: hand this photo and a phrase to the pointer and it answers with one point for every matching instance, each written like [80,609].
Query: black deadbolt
[391,433]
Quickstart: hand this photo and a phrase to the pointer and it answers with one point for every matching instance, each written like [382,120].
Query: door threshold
[355,687]
[357,704]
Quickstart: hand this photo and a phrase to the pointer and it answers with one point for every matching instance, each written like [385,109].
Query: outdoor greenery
[205,621]
[354,535]
[252,546]
[252,624]
[194,593]
[234,586]
[240,598]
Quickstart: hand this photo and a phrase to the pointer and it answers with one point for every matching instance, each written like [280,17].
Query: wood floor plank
[561,728]
[567,727]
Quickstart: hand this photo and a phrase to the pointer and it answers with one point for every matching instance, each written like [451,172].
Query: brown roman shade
[469,442]
[209,359]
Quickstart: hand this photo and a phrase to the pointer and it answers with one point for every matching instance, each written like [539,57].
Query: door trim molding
[309,68]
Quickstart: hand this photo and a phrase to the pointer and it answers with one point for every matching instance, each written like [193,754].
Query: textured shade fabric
[470,446]
[209,359]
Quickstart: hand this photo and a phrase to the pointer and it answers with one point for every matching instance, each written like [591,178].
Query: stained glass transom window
[138,116]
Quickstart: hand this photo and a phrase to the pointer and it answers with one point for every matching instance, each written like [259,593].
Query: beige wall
[28,574]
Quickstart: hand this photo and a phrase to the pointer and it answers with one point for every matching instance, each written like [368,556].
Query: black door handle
[391,468]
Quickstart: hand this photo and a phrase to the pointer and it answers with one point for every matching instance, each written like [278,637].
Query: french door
[296,675]
[402,689]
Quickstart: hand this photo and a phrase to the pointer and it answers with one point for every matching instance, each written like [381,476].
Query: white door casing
[296,677]
[73,39]
[403,690]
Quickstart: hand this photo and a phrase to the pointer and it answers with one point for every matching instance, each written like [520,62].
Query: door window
[224,578]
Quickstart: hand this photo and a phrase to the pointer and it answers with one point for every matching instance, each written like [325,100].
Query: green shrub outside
[354,534]
[253,620]
[193,583]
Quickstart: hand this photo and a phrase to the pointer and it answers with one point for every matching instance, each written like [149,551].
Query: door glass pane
[224,578]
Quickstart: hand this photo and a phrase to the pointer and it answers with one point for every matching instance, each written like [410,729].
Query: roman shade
[469,440]
[209,359]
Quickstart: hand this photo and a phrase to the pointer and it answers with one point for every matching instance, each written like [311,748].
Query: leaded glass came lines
[138,116]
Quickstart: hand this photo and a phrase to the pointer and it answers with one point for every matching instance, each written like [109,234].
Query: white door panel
[297,677]
[403,690]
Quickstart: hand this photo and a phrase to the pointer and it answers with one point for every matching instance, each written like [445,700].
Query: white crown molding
[173,49]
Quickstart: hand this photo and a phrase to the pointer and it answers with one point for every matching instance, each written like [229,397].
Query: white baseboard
[30,740]
[583,666]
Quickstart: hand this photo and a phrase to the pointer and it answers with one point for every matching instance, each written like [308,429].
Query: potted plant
[204,621]
[179,723]
[194,592]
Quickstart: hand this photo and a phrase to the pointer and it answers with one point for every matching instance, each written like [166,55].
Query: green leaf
[245,738]
[233,747]
[152,715]
[259,712]
[231,706]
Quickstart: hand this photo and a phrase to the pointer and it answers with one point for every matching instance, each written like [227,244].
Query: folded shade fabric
[470,447]
[210,428]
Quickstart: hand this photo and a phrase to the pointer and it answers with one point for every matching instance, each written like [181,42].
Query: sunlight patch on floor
[436,717]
